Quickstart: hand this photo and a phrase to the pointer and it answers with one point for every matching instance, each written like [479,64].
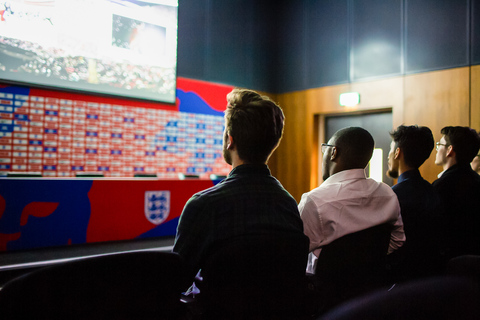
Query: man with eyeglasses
[347,201]
[420,205]
[459,189]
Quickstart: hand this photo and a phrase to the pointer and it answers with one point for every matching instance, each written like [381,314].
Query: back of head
[354,147]
[256,124]
[415,142]
[465,142]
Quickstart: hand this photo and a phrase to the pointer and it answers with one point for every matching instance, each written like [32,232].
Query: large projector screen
[124,48]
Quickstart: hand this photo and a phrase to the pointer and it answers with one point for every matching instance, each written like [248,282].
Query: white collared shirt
[345,203]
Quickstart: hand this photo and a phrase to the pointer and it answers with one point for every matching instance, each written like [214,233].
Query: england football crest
[157,206]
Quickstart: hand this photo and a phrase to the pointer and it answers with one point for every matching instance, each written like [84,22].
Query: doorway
[379,124]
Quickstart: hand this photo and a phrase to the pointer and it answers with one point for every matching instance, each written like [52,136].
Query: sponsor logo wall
[59,134]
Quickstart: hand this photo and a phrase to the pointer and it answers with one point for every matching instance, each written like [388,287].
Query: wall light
[349,99]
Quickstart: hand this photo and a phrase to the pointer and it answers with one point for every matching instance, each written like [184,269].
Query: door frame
[319,137]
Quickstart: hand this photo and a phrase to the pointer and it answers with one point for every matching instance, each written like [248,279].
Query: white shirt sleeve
[312,224]
[397,238]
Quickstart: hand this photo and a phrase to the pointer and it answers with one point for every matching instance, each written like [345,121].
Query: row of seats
[136,285]
[148,285]
[453,295]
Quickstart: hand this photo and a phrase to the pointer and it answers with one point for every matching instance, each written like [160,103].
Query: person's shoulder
[307,196]
[445,178]
[414,189]
[319,195]
[401,187]
[457,175]
[324,189]
[414,182]
[208,193]
[381,186]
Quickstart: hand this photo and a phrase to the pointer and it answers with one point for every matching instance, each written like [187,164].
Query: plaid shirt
[249,200]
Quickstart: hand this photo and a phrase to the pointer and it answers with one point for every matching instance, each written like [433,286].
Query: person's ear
[333,156]
[230,143]
[450,151]
[397,153]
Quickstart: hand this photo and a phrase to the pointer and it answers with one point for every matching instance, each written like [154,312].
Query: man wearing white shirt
[347,201]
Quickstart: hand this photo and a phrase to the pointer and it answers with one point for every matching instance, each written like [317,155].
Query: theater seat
[439,298]
[351,265]
[467,266]
[138,285]
[256,276]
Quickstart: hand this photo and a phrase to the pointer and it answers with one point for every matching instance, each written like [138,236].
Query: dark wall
[475,31]
[376,38]
[228,41]
[436,33]
[284,45]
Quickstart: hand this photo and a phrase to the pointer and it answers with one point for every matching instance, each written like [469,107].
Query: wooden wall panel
[437,99]
[290,162]
[296,163]
[434,99]
[379,94]
[325,99]
[475,98]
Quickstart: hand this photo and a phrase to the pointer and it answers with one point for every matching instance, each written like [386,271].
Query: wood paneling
[433,99]
[475,98]
[437,99]
[292,158]
[385,93]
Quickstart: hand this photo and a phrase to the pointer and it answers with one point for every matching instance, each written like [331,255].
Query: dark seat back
[467,266]
[255,274]
[139,285]
[352,264]
[439,298]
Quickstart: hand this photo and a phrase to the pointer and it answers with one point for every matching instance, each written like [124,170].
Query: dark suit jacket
[459,190]
[421,211]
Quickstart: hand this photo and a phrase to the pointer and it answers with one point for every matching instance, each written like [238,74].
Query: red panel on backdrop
[118,208]
[213,94]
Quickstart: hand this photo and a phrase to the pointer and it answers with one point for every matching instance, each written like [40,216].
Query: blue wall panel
[264,48]
[191,52]
[229,42]
[436,34]
[327,43]
[283,46]
[292,64]
[475,31]
[376,38]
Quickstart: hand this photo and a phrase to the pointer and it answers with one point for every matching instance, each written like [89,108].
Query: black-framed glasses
[438,144]
[325,145]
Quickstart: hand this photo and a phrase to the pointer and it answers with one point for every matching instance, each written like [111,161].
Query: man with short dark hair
[250,201]
[459,189]
[347,201]
[420,256]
